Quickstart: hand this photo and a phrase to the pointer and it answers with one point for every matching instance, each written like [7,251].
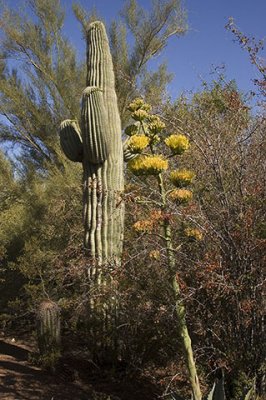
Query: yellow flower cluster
[148,165]
[156,215]
[155,255]
[143,226]
[132,130]
[155,124]
[177,143]
[182,177]
[193,233]
[137,104]
[139,115]
[181,196]
[137,143]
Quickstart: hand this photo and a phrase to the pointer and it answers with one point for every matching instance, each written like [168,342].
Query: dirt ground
[21,380]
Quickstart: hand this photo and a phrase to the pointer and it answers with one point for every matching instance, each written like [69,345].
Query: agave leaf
[210,395]
[217,392]
[251,393]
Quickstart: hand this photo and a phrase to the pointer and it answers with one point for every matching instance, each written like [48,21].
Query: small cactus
[48,333]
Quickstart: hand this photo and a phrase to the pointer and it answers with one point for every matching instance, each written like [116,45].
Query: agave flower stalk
[155,165]
[179,306]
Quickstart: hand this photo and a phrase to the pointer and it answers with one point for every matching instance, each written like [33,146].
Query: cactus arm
[94,127]
[70,140]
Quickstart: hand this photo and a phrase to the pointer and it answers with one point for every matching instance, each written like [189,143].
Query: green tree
[12,224]
[35,88]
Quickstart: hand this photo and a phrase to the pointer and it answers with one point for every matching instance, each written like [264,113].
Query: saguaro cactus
[99,147]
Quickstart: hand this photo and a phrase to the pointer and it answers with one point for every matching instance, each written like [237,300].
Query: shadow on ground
[76,379]
[19,380]
[19,353]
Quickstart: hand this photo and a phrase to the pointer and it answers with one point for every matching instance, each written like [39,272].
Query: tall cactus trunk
[103,177]
[48,333]
[98,145]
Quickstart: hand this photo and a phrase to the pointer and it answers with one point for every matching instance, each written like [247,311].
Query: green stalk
[179,306]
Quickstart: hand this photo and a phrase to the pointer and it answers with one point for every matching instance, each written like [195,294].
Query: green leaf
[251,393]
[217,392]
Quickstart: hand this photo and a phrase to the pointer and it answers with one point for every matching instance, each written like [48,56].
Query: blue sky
[206,44]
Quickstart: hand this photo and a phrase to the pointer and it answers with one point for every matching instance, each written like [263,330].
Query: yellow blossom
[148,165]
[181,196]
[139,115]
[143,226]
[177,143]
[156,215]
[137,143]
[137,104]
[182,177]
[193,233]
[155,254]
[155,124]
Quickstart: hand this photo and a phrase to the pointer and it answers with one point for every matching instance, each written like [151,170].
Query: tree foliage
[39,70]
